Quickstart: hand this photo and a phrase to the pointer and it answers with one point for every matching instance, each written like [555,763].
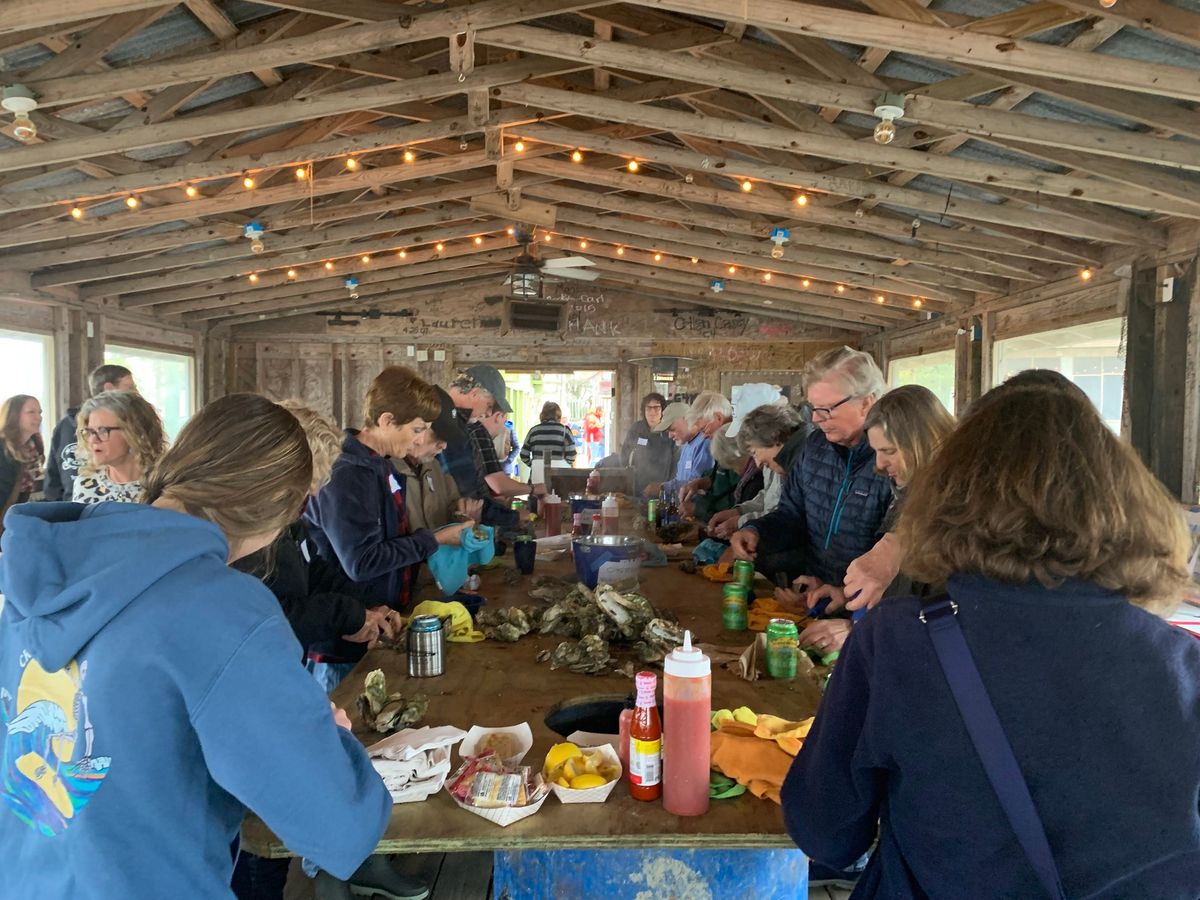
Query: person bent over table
[695,457]
[834,501]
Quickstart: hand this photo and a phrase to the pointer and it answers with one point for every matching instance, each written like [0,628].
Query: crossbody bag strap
[940,615]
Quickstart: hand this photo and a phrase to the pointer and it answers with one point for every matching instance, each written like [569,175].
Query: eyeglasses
[823,413]
[100,433]
[654,406]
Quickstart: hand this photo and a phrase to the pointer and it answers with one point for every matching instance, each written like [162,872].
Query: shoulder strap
[991,743]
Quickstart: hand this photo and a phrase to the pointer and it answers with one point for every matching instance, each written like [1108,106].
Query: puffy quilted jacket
[832,508]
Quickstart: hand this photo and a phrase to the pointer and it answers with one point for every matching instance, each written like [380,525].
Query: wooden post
[967,365]
[1191,416]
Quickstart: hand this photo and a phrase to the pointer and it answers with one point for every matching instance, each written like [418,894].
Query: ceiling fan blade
[567,263]
[576,274]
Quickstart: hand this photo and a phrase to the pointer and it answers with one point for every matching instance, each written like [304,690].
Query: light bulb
[689,178]
[23,129]
[253,278]
[777,251]
[256,246]
[463,145]
[519,146]
[658,257]
[511,231]
[191,191]
[747,185]
[841,289]
[301,173]
[917,301]
[365,259]
[695,259]
[547,237]
[291,273]
[409,156]
[733,270]
[576,157]
[633,165]
[620,251]
[439,247]
[248,183]
[403,254]
[802,200]
[1085,274]
[879,298]
[1108,4]
[328,265]
[766,276]
[885,132]
[583,245]
[351,163]
[478,240]
[76,213]
[805,283]
[132,201]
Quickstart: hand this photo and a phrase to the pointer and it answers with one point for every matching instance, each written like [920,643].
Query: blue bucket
[613,559]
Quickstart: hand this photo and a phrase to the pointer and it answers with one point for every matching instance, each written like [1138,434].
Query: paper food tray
[596,794]
[521,733]
[503,815]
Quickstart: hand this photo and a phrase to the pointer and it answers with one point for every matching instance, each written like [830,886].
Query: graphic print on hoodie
[49,771]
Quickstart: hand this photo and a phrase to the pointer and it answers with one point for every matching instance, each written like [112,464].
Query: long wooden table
[498,684]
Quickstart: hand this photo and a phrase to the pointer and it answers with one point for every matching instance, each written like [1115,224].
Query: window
[27,367]
[932,370]
[1092,356]
[165,379]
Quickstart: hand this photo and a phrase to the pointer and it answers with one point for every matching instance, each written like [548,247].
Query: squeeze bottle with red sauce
[687,739]
[645,742]
[552,513]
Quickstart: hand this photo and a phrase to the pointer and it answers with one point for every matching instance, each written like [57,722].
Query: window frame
[134,348]
[49,397]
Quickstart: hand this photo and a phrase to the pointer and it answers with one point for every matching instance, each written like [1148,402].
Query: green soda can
[518,504]
[783,648]
[652,511]
[743,571]
[734,608]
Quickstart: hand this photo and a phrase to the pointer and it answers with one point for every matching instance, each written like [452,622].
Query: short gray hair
[856,370]
[726,451]
[708,404]
[768,426]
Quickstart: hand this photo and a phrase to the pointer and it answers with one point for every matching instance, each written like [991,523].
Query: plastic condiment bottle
[687,710]
[552,513]
[645,742]
[612,515]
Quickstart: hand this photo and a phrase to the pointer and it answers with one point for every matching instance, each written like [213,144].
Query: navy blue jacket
[59,483]
[832,508]
[354,521]
[1100,701]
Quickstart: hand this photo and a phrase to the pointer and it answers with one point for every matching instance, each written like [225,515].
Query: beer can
[426,647]
[734,608]
[783,648]
[743,571]
[652,511]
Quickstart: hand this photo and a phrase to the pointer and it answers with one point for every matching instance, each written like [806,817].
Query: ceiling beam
[17,15]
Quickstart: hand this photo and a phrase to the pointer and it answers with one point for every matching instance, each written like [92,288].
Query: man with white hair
[710,412]
[833,502]
[695,456]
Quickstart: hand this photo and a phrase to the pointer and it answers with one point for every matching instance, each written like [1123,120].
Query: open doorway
[585,397]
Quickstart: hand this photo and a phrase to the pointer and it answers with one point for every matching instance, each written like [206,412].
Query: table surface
[498,684]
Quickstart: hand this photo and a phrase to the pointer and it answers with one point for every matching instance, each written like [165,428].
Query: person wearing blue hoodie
[150,694]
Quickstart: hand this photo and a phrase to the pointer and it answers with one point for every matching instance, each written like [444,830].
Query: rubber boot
[377,877]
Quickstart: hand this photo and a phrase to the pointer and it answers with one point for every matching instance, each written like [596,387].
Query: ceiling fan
[348,318]
[528,272]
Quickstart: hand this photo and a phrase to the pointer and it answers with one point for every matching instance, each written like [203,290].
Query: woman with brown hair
[151,694]
[1059,551]
[550,435]
[124,437]
[21,453]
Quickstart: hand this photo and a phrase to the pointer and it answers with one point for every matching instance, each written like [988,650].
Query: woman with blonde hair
[1043,694]
[21,450]
[123,437]
[151,693]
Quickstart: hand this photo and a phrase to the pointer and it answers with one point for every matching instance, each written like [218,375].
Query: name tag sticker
[642,442]
[393,484]
[860,493]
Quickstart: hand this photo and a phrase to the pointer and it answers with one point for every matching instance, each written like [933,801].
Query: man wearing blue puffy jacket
[833,502]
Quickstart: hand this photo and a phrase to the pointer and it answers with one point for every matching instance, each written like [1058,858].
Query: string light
[766,276]
[917,302]
[409,156]
[841,289]
[519,146]
[879,298]
[301,173]
[328,265]
[291,273]
[248,183]
[633,165]
[365,259]
[402,254]
[577,157]
[546,238]
[1085,274]
[191,191]
[695,260]
[439,246]
[76,213]
[747,185]
[583,245]
[733,270]
[658,257]
[511,231]
[620,251]
[805,283]
[352,163]
[254,278]
[478,240]
[1108,4]
[132,202]
[802,200]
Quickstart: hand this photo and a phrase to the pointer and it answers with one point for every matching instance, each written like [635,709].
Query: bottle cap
[551,498]
[687,661]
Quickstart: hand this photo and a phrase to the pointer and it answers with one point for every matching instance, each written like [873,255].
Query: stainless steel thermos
[426,647]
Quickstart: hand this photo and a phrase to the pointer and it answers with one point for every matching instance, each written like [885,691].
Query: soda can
[783,648]
[743,571]
[652,511]
[734,608]
[518,504]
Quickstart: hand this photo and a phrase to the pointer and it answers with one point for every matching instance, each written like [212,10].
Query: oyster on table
[629,612]
[551,588]
[384,712]
[659,638]
[507,623]
[588,656]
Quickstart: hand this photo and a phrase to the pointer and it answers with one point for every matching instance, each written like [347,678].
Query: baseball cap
[446,426]
[749,397]
[674,411]
[491,381]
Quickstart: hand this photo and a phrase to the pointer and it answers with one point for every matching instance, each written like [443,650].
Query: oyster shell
[551,588]
[588,656]
[504,624]
[659,638]
[375,691]
[629,612]
[400,712]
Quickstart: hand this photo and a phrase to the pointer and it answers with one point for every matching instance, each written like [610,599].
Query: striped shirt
[548,436]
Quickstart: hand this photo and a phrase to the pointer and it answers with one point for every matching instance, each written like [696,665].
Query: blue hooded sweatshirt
[149,694]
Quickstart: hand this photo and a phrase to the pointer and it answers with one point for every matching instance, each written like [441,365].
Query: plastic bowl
[614,559]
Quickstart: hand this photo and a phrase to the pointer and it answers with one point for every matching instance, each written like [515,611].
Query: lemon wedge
[559,754]
[583,782]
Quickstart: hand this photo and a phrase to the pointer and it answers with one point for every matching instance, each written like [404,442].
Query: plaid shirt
[485,446]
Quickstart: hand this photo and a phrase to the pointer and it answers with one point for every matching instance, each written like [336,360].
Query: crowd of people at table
[127,774]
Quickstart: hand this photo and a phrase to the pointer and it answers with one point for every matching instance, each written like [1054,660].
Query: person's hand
[804,585]
[687,510]
[826,635]
[538,490]
[340,719]
[451,535]
[837,599]
[791,600]
[387,620]
[869,575]
[469,509]
[693,487]
[744,543]
[369,633]
[653,489]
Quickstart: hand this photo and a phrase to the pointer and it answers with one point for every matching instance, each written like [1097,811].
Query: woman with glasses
[650,453]
[123,437]
[21,453]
